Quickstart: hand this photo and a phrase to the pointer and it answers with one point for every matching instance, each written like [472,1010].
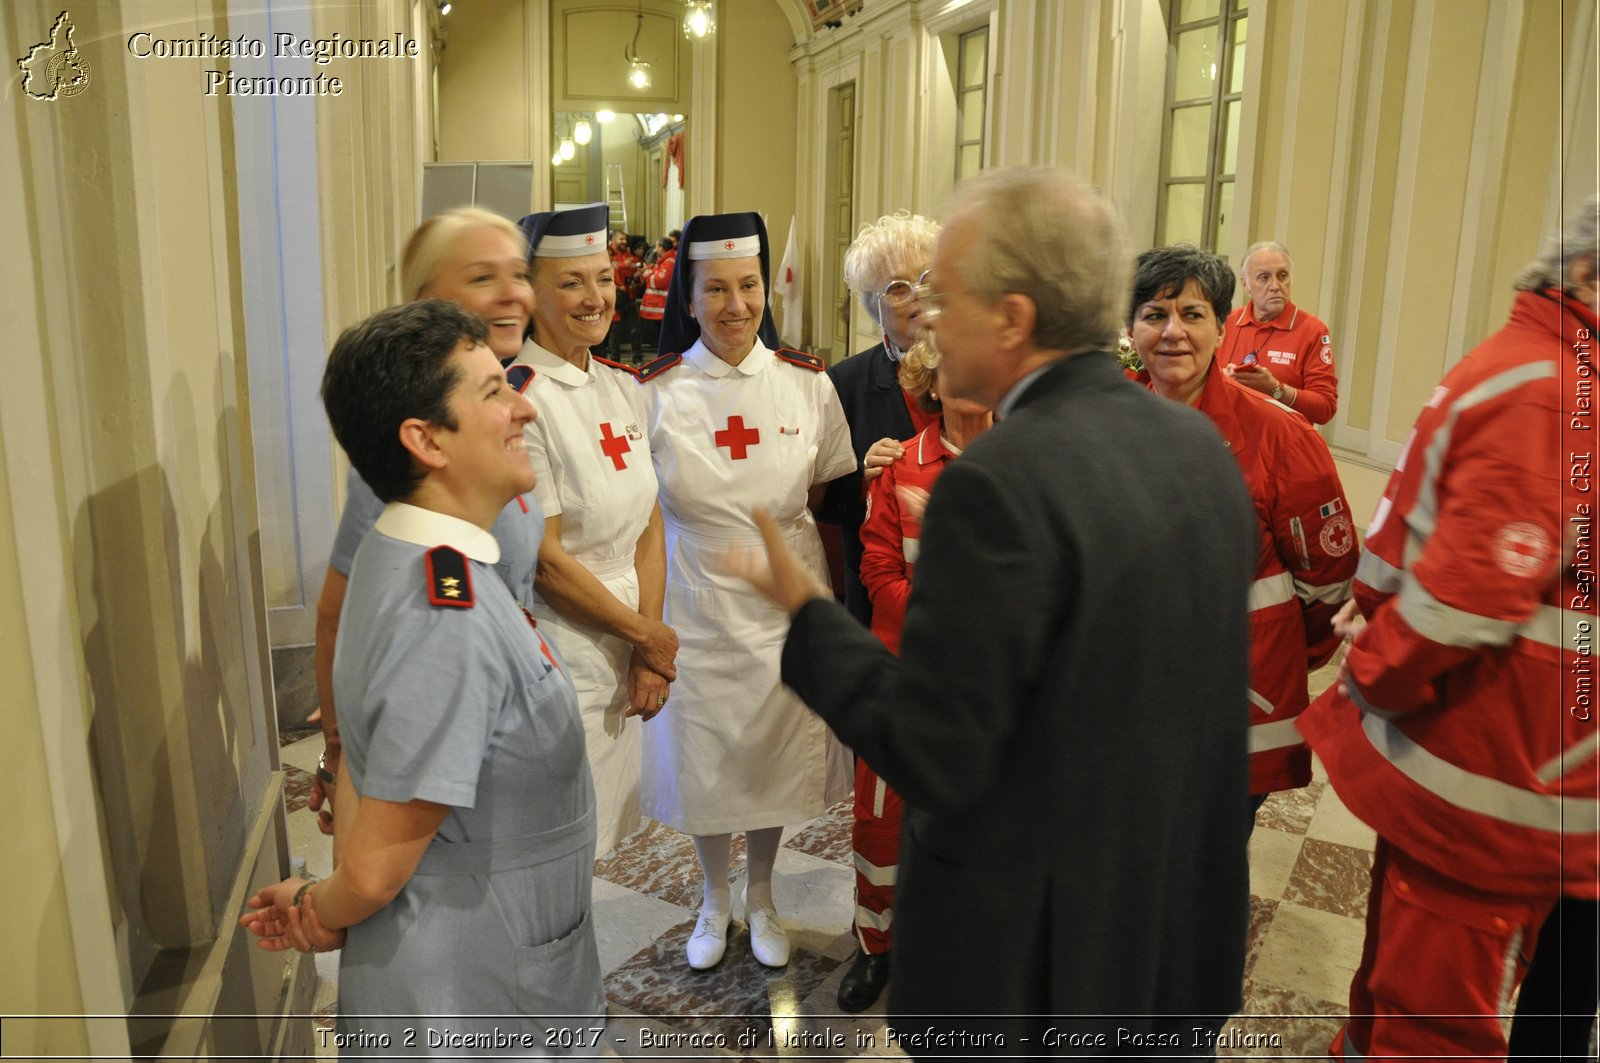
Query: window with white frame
[1200,142]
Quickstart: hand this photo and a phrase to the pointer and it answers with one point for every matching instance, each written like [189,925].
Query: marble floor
[1308,880]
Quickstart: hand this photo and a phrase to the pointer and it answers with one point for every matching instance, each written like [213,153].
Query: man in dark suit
[1063,720]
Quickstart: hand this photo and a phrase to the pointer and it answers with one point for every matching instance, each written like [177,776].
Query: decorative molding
[1411,111]
[538,72]
[1292,96]
[1470,305]
[1367,67]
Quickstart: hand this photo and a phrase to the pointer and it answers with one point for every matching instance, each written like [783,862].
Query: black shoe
[864,982]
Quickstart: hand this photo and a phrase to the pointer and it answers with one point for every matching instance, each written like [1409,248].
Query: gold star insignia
[450,581]
[451,592]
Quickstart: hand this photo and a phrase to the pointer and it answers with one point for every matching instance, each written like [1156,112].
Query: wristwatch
[1277,392]
[326,777]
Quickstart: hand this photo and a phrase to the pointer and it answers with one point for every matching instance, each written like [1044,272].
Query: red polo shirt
[1295,347]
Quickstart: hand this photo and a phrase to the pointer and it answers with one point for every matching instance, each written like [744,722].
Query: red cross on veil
[737,438]
[728,245]
[614,446]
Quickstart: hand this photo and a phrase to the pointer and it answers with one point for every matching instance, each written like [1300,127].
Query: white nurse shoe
[709,940]
[768,940]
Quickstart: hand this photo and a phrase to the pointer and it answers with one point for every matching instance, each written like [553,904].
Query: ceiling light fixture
[583,132]
[699,20]
[638,69]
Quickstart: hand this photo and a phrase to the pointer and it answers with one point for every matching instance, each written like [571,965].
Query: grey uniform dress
[517,529]
[466,705]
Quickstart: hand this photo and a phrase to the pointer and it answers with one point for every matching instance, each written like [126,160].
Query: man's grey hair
[1263,245]
[1048,236]
[1576,242]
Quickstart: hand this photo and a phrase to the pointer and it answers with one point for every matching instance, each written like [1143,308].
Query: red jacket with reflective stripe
[890,538]
[653,306]
[1295,345]
[1305,559]
[1466,734]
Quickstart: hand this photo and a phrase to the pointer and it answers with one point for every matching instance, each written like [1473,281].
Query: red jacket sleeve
[884,572]
[1495,550]
[1315,537]
[1318,394]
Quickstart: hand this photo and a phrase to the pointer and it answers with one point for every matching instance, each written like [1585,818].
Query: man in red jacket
[1274,347]
[1463,728]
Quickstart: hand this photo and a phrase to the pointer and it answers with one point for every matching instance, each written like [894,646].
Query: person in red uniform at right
[1305,550]
[1462,727]
[890,535]
[1274,347]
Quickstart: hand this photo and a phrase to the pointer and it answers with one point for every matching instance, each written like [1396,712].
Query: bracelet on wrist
[300,894]
[327,777]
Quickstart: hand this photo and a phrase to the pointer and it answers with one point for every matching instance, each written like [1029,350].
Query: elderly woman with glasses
[883,266]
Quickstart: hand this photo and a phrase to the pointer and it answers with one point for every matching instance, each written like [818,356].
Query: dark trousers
[1555,1010]
[650,335]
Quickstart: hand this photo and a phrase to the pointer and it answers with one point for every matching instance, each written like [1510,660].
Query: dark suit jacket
[1064,721]
[869,388]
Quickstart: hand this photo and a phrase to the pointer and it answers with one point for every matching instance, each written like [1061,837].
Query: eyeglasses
[900,293]
[930,298]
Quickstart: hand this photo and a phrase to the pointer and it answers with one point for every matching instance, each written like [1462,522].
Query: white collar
[429,527]
[553,365]
[701,358]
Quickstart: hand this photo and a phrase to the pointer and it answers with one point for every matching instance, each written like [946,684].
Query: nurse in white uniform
[602,564]
[735,423]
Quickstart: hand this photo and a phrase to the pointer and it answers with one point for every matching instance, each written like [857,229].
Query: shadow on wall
[182,762]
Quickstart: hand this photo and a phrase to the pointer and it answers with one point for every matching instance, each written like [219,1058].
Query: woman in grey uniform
[463,899]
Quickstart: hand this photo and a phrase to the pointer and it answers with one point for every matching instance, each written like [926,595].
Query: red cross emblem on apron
[737,438]
[613,446]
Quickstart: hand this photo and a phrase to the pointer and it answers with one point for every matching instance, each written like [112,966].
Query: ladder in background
[616,204]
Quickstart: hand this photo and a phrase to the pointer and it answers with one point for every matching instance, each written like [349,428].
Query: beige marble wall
[1411,154]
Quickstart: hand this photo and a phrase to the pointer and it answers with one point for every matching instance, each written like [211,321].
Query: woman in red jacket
[1305,553]
[890,535]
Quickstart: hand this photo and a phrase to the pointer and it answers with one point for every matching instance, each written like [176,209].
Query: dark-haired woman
[736,424]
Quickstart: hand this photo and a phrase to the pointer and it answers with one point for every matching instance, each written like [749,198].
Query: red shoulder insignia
[802,359]
[520,376]
[449,578]
[625,367]
[651,370]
